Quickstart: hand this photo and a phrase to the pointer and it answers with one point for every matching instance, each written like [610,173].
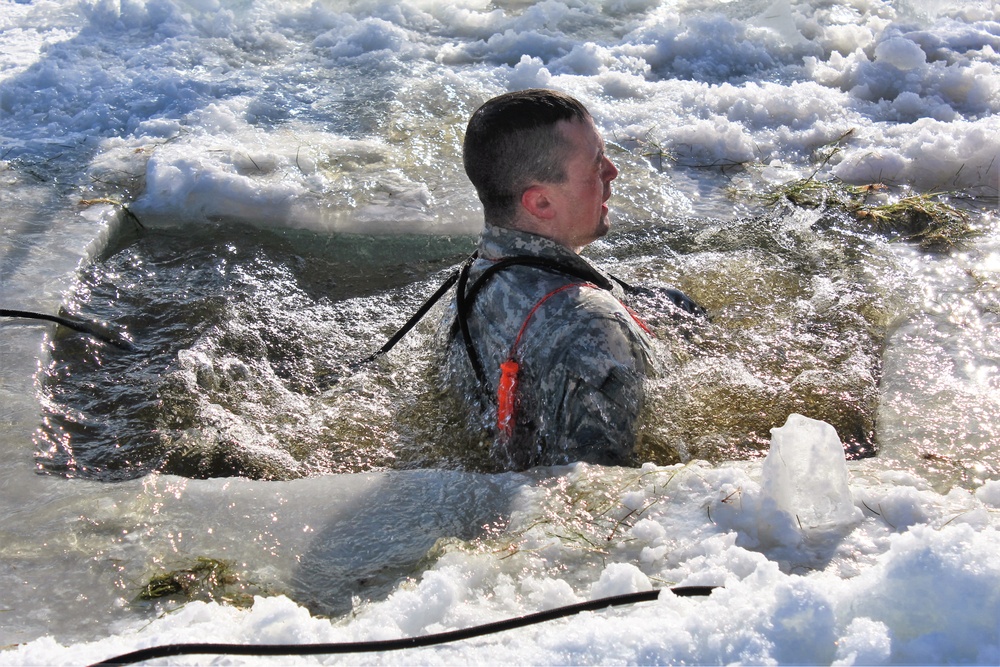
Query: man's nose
[610,170]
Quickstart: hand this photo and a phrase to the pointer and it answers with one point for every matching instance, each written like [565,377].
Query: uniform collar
[500,242]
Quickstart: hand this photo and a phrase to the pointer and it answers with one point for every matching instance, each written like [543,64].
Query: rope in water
[90,328]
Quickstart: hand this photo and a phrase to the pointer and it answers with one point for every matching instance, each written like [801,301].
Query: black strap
[586,274]
[464,298]
[462,306]
[412,322]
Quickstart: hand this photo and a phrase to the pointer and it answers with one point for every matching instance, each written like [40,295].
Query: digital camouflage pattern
[583,358]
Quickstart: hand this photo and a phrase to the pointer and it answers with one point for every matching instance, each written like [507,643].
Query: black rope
[89,328]
[397,644]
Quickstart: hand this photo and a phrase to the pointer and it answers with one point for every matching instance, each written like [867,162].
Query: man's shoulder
[587,304]
[553,295]
[593,337]
[588,321]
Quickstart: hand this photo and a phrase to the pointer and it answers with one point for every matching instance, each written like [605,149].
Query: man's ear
[537,202]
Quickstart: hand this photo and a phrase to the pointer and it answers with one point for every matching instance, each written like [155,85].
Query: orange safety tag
[506,392]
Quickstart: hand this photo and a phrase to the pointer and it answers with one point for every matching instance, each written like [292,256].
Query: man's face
[581,198]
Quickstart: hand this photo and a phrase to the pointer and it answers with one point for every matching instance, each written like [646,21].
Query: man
[539,336]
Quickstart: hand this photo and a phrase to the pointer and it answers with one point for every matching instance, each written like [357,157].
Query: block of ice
[804,486]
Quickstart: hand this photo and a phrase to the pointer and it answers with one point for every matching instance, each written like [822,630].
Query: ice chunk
[804,485]
[989,493]
[620,579]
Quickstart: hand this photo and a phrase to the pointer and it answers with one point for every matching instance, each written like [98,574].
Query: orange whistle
[506,392]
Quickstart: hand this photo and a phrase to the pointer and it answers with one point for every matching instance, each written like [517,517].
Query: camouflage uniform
[582,357]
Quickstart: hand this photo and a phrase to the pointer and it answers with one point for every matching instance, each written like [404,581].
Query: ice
[804,487]
[926,575]
[989,493]
[901,53]
[927,594]
[867,642]
[619,579]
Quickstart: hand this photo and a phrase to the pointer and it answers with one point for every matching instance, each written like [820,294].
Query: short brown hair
[511,141]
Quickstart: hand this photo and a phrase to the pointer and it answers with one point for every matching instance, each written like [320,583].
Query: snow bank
[911,577]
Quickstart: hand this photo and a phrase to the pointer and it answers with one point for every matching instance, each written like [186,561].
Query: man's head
[538,164]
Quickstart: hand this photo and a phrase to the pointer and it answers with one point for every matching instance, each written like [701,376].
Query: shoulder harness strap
[466,296]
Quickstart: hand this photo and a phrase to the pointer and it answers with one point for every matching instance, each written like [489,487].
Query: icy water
[257,194]
[237,333]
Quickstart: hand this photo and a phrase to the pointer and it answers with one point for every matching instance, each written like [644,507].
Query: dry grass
[927,219]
